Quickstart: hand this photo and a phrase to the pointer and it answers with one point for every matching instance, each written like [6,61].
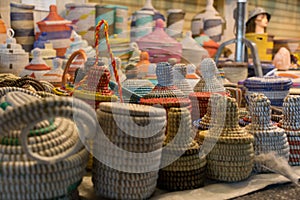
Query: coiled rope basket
[42,155]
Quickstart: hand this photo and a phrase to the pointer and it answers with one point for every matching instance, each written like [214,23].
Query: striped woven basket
[275,88]
[181,167]
[290,123]
[43,156]
[22,21]
[267,136]
[83,17]
[58,31]
[128,150]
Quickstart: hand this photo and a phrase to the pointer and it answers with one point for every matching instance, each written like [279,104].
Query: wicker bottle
[165,92]
[230,149]
[189,48]
[43,157]
[209,22]
[267,136]
[290,124]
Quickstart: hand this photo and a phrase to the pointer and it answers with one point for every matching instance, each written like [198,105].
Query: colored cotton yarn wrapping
[232,156]
[22,22]
[291,125]
[188,170]
[42,157]
[127,129]
[267,136]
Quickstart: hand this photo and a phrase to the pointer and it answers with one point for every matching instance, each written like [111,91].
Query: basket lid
[53,18]
[37,63]
[158,36]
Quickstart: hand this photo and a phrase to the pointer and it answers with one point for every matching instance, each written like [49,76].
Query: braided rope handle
[114,64]
[79,53]
[28,115]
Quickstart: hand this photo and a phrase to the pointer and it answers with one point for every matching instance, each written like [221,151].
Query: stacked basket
[42,157]
[57,29]
[290,123]
[182,169]
[267,136]
[230,149]
[127,151]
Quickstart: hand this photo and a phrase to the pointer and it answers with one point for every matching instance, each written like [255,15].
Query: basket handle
[113,61]
[66,75]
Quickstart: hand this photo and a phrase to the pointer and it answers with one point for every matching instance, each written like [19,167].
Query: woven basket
[234,71]
[58,31]
[232,156]
[290,124]
[134,128]
[42,152]
[275,88]
[83,17]
[267,136]
[182,168]
[22,21]
[12,57]
[160,46]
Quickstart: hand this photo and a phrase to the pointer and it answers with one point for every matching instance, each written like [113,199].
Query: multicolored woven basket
[290,123]
[275,88]
[22,22]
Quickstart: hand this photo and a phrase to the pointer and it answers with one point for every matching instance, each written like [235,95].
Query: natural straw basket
[42,150]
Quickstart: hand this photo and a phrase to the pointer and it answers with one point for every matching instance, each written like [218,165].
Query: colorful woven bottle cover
[112,58]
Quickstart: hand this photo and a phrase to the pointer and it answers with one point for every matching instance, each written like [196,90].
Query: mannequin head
[258,21]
